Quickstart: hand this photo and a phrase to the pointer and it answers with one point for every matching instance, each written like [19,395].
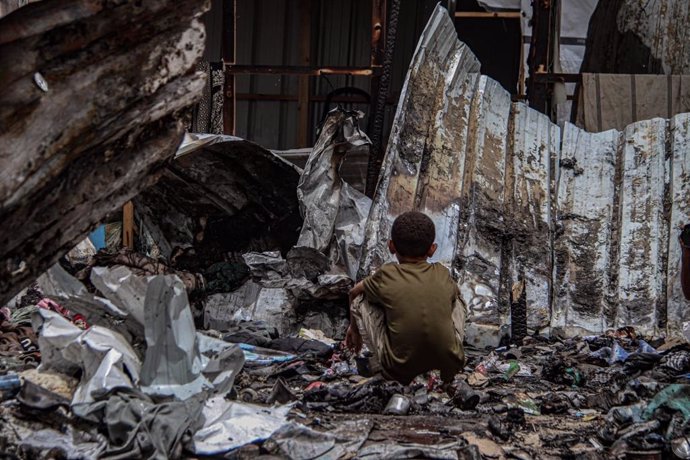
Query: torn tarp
[104,358]
[173,363]
[230,424]
[124,289]
[178,360]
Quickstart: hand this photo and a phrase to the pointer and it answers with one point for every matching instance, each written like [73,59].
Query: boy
[411,317]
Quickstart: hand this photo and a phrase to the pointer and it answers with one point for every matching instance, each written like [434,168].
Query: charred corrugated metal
[221,197]
[584,220]
[678,314]
[638,37]
[584,227]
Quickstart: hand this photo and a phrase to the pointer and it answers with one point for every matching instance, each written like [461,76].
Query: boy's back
[418,299]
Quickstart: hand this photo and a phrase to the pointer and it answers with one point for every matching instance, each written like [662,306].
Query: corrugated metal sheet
[583,219]
[584,228]
[677,311]
[662,26]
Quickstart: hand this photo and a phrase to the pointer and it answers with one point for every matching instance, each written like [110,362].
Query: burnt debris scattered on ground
[117,381]
[124,355]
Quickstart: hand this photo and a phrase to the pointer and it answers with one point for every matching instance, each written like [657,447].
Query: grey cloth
[139,428]
[396,451]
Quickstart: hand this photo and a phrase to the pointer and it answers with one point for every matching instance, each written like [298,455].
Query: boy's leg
[371,323]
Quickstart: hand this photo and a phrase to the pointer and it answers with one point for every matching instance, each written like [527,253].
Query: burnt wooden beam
[94,97]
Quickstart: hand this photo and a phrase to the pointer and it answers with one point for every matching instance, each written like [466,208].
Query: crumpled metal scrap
[334,212]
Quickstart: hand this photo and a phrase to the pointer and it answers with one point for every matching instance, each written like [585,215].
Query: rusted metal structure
[584,220]
[304,71]
[630,36]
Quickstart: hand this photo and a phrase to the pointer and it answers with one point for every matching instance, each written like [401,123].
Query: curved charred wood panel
[92,100]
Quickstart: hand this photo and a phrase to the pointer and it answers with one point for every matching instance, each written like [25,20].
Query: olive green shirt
[418,300]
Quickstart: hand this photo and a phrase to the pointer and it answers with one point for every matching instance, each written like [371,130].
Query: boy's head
[412,236]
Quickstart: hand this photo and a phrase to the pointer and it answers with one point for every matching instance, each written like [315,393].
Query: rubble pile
[126,355]
[249,389]
[609,396]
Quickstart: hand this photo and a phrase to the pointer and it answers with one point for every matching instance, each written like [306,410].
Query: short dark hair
[413,233]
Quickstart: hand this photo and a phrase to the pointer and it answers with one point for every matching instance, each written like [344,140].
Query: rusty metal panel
[583,229]
[479,253]
[443,162]
[583,219]
[679,191]
[533,146]
[404,170]
[661,25]
[643,229]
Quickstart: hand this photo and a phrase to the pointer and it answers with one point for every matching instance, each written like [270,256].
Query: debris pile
[140,356]
[169,390]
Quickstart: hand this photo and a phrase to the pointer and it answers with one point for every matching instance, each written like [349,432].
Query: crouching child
[410,316]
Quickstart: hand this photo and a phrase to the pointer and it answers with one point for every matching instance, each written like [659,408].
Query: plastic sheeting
[613,101]
[173,363]
[178,361]
[104,358]
[230,424]
[334,212]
